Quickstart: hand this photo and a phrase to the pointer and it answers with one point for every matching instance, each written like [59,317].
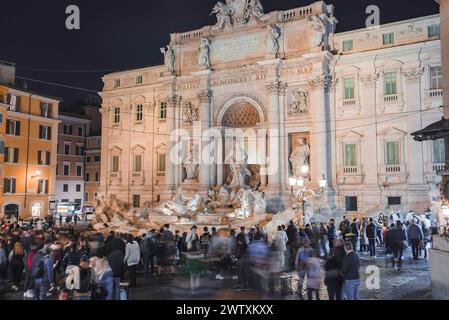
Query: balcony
[138,178]
[350,175]
[390,174]
[349,102]
[115,178]
[391,98]
[436,94]
[432,170]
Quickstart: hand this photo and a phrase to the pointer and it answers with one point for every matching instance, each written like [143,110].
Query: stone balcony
[138,178]
[436,94]
[433,169]
[350,175]
[392,174]
[391,98]
[115,178]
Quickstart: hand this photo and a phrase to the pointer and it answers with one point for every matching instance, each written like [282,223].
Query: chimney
[7,72]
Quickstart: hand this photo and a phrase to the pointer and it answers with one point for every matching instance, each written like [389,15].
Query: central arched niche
[241,115]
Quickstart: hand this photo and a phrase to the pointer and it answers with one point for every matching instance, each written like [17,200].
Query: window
[139,112]
[163,110]
[14,102]
[97,158]
[87,176]
[44,132]
[66,169]
[433,30]
[9,185]
[79,170]
[86,196]
[79,150]
[42,186]
[87,159]
[435,78]
[43,157]
[116,115]
[80,131]
[97,176]
[348,85]
[438,151]
[45,109]
[351,203]
[350,155]
[95,194]
[78,201]
[348,45]
[68,129]
[67,146]
[139,80]
[390,83]
[116,83]
[64,200]
[161,163]
[394,201]
[2,147]
[11,155]
[1,118]
[65,188]
[78,188]
[392,153]
[388,38]
[137,163]
[13,127]
[136,201]
[115,163]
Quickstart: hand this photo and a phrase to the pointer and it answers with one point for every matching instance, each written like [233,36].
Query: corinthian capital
[205,96]
[413,74]
[320,82]
[277,88]
[369,80]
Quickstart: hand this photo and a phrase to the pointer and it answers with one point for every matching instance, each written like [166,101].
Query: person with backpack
[17,264]
[148,247]
[304,253]
[132,259]
[81,280]
[192,240]
[344,227]
[43,273]
[116,261]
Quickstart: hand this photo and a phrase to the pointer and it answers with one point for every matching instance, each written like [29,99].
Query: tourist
[17,264]
[71,258]
[242,258]
[371,233]
[313,277]
[292,243]
[363,237]
[331,233]
[192,240]
[344,227]
[148,247]
[323,238]
[29,278]
[350,272]
[167,235]
[280,245]
[304,253]
[426,229]
[333,279]
[132,259]
[3,262]
[354,229]
[84,248]
[415,237]
[205,241]
[81,280]
[75,219]
[395,240]
[43,273]
[64,294]
[116,262]
[103,276]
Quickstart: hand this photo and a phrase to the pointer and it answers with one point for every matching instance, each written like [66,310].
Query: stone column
[204,98]
[170,166]
[318,137]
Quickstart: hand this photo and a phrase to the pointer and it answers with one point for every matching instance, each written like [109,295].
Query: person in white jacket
[280,243]
[132,259]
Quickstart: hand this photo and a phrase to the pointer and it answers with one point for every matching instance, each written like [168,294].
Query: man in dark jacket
[371,234]
[292,243]
[148,247]
[415,236]
[116,261]
[395,242]
[344,227]
[331,233]
[350,272]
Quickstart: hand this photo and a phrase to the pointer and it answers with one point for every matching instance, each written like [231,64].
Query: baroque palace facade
[272,84]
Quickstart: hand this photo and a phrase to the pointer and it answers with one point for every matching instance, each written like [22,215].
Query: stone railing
[393,168]
[191,35]
[349,102]
[435,94]
[392,98]
[351,170]
[298,13]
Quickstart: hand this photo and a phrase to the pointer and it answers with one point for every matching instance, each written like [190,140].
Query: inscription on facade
[237,49]
[239,79]
[292,72]
[187,86]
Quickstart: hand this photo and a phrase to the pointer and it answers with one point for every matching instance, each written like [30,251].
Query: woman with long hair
[17,263]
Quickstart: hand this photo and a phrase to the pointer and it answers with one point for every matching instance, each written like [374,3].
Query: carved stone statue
[272,37]
[300,156]
[254,9]
[191,164]
[204,53]
[223,13]
[190,113]
[238,164]
[169,57]
[319,29]
[299,103]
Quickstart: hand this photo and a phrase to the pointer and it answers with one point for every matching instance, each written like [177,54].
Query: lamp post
[303,194]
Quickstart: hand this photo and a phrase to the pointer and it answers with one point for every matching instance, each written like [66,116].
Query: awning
[434,131]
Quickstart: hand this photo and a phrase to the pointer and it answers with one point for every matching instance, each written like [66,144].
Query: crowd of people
[56,261]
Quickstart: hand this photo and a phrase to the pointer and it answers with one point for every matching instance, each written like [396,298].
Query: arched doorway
[12,210]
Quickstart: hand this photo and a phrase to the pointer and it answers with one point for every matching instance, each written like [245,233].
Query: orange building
[30,126]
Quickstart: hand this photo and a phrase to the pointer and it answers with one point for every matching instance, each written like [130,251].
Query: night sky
[120,35]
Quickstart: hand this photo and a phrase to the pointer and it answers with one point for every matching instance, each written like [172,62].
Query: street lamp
[38,174]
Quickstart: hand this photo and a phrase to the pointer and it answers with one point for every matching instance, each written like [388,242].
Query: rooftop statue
[237,12]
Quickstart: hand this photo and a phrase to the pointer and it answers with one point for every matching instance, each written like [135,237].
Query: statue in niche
[300,156]
[204,53]
[191,164]
[319,29]
[238,164]
[223,13]
[190,113]
[299,103]
[169,58]
[272,38]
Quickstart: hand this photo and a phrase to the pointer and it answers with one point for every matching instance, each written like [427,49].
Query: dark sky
[120,35]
